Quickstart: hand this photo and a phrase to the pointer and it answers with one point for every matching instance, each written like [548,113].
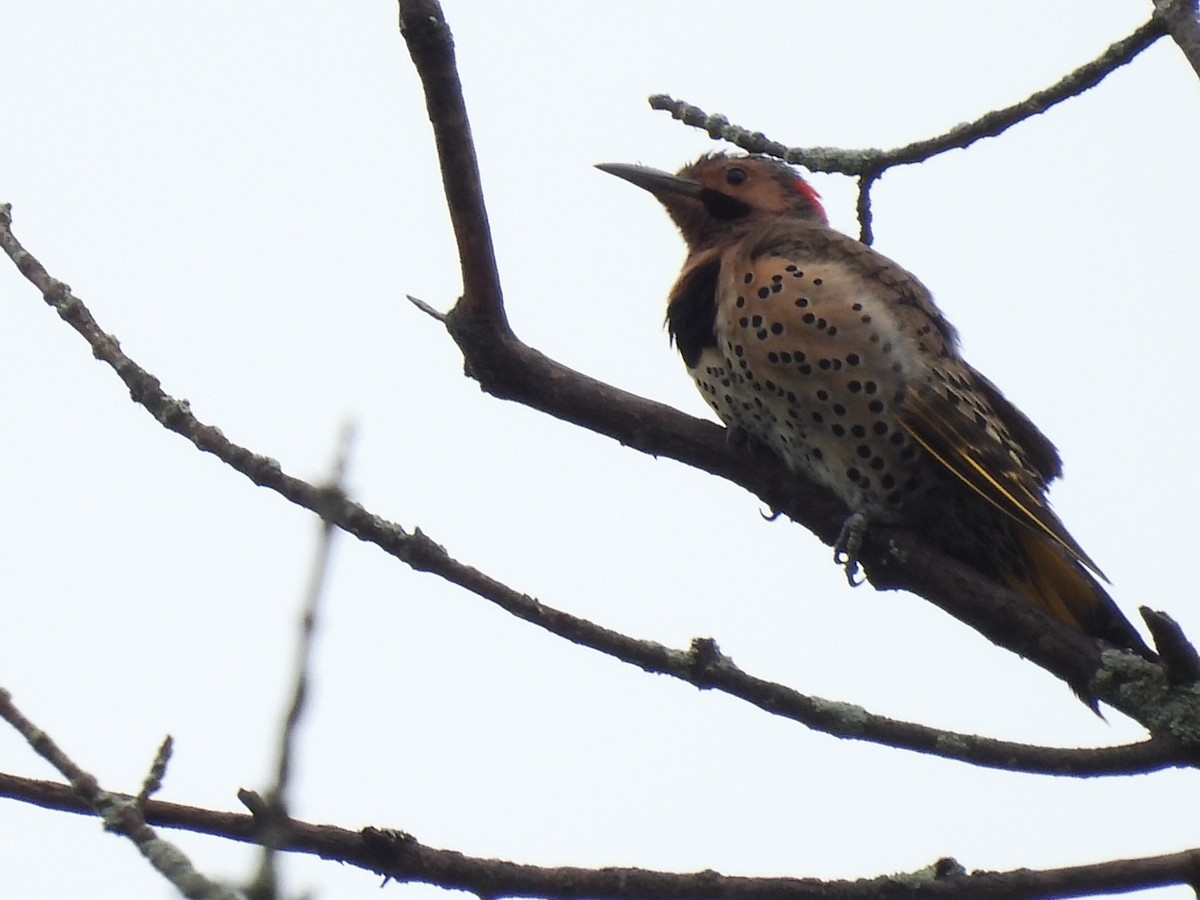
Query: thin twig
[868,164]
[273,810]
[121,814]
[426,308]
[865,182]
[875,161]
[158,771]
[335,490]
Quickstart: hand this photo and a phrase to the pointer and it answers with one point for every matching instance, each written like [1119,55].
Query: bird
[839,362]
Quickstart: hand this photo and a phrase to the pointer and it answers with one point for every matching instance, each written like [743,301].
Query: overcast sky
[243,192]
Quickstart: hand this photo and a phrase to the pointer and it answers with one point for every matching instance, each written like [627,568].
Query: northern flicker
[838,361]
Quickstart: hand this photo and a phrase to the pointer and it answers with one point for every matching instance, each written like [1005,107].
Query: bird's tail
[1069,592]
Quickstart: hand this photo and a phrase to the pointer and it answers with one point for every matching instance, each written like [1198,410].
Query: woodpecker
[839,361]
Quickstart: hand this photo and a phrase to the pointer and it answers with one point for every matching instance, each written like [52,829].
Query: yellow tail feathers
[1055,583]
[1068,592]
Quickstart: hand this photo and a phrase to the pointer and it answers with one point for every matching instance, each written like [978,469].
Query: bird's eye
[735,175]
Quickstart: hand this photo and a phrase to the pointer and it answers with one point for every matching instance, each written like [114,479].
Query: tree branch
[1179,17]
[975,600]
[272,810]
[401,857]
[121,814]
[873,162]
[432,48]
[863,206]
[869,164]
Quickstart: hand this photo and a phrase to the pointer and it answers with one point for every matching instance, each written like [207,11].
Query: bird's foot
[772,515]
[848,543]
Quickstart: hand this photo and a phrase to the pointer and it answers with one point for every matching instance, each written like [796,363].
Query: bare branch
[975,600]
[335,491]
[1180,19]
[833,160]
[869,164]
[158,770]
[121,814]
[432,48]
[426,308]
[272,811]
[865,183]
[401,857]
[873,162]
[1178,655]
[998,121]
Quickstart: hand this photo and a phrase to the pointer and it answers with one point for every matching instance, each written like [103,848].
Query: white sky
[243,192]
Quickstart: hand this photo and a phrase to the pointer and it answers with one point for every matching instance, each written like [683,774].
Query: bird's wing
[952,425]
[1037,448]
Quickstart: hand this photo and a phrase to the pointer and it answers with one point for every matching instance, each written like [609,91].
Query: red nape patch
[810,194]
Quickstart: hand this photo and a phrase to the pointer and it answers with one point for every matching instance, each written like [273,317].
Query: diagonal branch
[1181,20]
[702,665]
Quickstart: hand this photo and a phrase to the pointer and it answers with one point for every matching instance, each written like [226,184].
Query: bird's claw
[846,547]
[771,515]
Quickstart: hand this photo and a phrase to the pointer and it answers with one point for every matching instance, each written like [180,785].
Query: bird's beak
[659,183]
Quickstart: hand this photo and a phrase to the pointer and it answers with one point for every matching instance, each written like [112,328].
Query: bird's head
[719,194]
